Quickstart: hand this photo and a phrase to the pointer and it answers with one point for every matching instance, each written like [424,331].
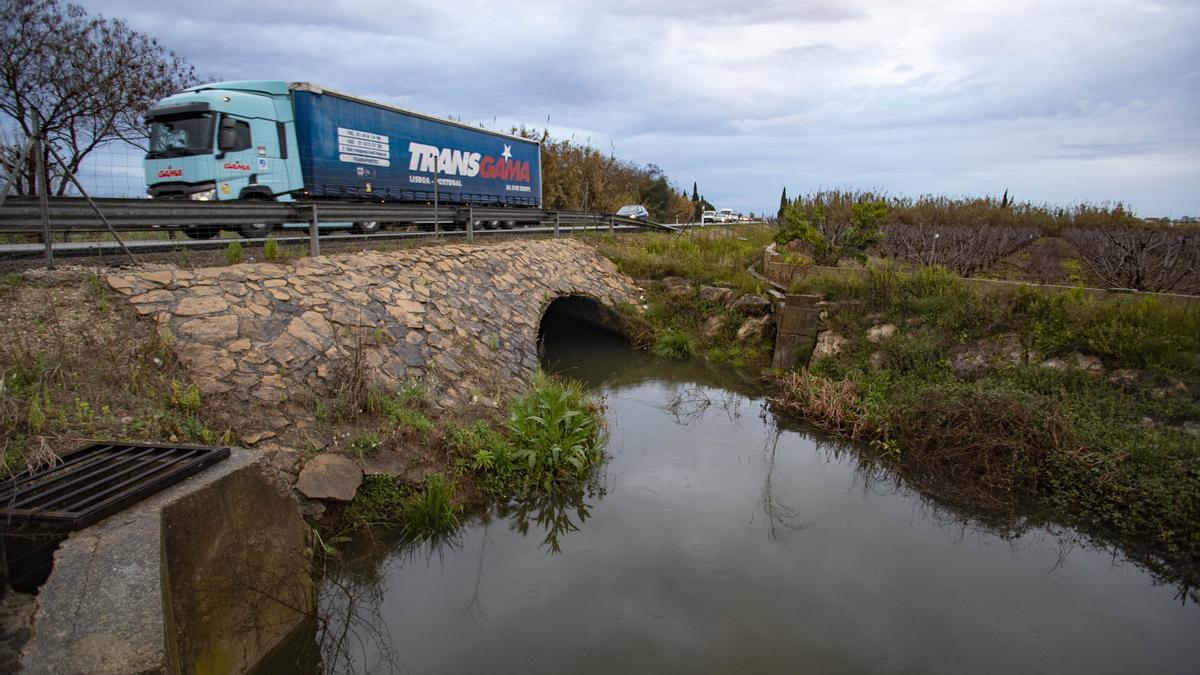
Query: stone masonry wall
[461,318]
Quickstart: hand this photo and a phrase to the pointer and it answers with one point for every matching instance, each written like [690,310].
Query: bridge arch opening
[574,321]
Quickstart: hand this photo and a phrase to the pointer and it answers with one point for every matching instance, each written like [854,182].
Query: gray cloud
[1056,101]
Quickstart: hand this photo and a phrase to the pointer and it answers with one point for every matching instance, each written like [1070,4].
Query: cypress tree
[783,202]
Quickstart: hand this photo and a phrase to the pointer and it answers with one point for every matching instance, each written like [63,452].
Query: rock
[716,294]
[153,296]
[330,476]
[1089,364]
[877,360]
[880,332]
[1128,378]
[969,364]
[756,327]
[712,326]
[677,286]
[194,306]
[212,329]
[829,344]
[751,305]
[1054,363]
[252,437]
[974,360]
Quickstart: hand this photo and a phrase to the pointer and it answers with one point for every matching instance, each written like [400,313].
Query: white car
[727,216]
[709,217]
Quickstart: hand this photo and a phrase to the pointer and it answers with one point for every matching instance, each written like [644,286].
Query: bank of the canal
[720,537]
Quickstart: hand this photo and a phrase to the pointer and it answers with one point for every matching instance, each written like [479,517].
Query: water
[723,540]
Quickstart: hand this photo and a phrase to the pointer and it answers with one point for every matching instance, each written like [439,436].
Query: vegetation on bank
[1032,421]
[550,439]
[675,321]
[77,365]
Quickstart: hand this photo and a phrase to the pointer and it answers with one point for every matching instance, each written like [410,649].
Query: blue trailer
[286,141]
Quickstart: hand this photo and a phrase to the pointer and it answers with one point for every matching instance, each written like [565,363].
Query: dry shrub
[833,404]
[984,445]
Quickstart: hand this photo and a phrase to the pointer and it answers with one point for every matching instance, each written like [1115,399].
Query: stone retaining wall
[461,318]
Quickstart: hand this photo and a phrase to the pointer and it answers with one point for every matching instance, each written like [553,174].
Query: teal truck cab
[229,140]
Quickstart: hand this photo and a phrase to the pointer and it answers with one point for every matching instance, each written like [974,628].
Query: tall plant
[834,225]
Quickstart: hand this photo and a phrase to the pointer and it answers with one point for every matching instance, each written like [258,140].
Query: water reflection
[722,538]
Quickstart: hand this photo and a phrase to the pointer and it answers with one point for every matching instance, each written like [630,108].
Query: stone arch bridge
[461,318]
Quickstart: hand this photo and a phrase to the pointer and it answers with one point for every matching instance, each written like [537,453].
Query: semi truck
[287,141]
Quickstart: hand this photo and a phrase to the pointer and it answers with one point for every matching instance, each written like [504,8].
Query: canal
[720,538]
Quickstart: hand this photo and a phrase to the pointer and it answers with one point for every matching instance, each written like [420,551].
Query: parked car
[708,217]
[635,211]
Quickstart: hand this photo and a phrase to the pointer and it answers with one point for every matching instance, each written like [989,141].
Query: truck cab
[224,141]
[221,141]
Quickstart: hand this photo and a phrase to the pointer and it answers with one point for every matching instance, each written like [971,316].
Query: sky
[1055,102]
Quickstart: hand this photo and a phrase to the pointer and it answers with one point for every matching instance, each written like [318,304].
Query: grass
[1081,448]
[431,511]
[675,344]
[717,255]
[76,366]
[673,325]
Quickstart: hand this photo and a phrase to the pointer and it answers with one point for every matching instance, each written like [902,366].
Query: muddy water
[721,539]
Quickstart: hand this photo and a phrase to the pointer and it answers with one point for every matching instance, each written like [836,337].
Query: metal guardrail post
[470,223]
[437,226]
[41,184]
[556,227]
[610,223]
[314,242]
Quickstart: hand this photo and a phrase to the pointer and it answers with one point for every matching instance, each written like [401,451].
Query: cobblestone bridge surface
[461,318]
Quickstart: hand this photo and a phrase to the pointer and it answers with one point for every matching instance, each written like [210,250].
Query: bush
[555,432]
[233,253]
[271,250]
[833,225]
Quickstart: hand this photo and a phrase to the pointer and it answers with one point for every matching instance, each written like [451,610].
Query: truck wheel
[366,227]
[201,231]
[255,230]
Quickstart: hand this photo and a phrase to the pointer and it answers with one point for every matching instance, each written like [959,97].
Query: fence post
[610,223]
[556,230]
[314,242]
[437,230]
[470,223]
[42,187]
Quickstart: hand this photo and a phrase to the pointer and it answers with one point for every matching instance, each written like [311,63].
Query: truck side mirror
[227,136]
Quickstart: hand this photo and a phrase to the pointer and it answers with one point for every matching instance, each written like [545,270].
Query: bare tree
[1140,257]
[89,79]
[964,236]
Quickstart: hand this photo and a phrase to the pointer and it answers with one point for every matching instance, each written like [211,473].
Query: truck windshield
[179,135]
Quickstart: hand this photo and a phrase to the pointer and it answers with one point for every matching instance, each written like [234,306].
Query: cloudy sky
[1055,101]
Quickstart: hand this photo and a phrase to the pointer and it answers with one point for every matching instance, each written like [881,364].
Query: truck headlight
[204,196]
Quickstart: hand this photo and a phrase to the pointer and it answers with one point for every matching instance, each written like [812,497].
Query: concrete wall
[182,582]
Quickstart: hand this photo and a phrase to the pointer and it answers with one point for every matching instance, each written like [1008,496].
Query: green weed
[431,512]
[271,250]
[233,253]
[555,431]
[675,345]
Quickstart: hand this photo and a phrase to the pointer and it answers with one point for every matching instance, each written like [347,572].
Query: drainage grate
[96,482]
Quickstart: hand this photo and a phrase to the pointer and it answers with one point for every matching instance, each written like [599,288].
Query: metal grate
[97,481]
